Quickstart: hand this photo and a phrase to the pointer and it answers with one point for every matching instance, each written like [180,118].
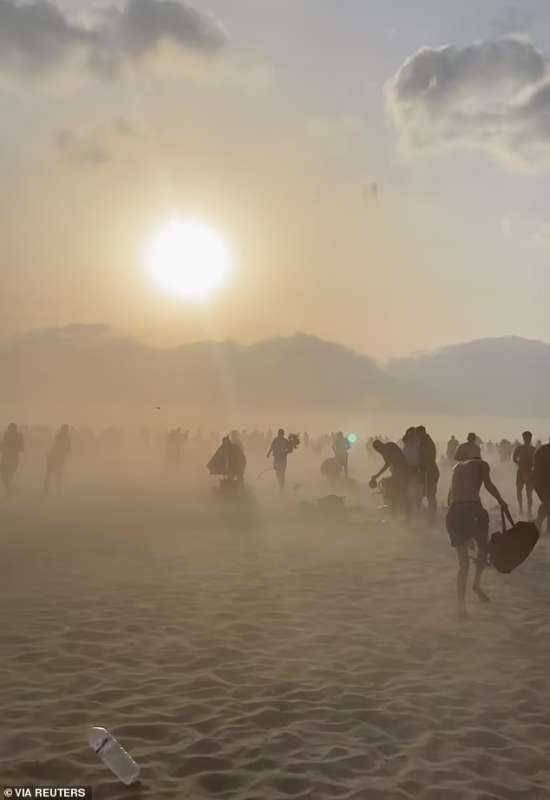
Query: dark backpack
[510,547]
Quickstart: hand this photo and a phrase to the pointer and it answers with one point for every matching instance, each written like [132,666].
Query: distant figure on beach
[467,519]
[523,458]
[468,449]
[369,446]
[229,462]
[341,448]
[541,484]
[11,447]
[411,447]
[280,449]
[397,487]
[175,440]
[505,450]
[429,471]
[56,460]
[452,447]
[411,451]
[236,439]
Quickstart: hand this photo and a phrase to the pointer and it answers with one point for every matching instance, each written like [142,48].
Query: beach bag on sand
[332,506]
[330,468]
[510,547]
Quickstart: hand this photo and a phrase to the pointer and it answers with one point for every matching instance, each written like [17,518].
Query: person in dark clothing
[57,458]
[523,458]
[429,471]
[341,448]
[238,458]
[280,449]
[411,451]
[11,447]
[229,462]
[401,474]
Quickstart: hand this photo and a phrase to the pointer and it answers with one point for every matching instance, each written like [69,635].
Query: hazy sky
[270,120]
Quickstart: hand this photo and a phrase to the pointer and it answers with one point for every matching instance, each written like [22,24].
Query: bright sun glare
[189,259]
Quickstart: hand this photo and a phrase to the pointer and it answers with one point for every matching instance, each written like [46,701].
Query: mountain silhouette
[86,367]
[507,376]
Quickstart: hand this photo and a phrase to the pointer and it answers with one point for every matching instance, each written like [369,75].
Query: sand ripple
[279,662]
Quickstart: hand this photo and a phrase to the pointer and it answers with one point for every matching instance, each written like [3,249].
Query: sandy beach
[256,255]
[242,652]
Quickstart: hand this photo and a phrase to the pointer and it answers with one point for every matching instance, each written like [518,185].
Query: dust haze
[247,641]
[274,381]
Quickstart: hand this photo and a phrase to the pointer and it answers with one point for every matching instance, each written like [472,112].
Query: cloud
[145,23]
[38,37]
[493,95]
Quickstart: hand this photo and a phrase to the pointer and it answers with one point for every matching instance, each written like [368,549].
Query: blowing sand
[246,654]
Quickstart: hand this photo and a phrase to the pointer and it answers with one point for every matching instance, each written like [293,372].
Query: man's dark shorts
[467,521]
[524,478]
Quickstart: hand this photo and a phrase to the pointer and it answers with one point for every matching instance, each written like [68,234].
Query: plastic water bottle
[113,755]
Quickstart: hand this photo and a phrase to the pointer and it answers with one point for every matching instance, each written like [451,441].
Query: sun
[189,259]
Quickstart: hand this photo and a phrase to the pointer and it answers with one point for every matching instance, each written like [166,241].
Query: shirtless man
[541,483]
[523,458]
[467,519]
[468,449]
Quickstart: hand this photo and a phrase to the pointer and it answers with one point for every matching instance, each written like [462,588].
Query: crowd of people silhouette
[407,478]
[411,465]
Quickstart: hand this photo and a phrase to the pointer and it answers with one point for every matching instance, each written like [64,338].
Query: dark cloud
[36,37]
[145,23]
[492,95]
